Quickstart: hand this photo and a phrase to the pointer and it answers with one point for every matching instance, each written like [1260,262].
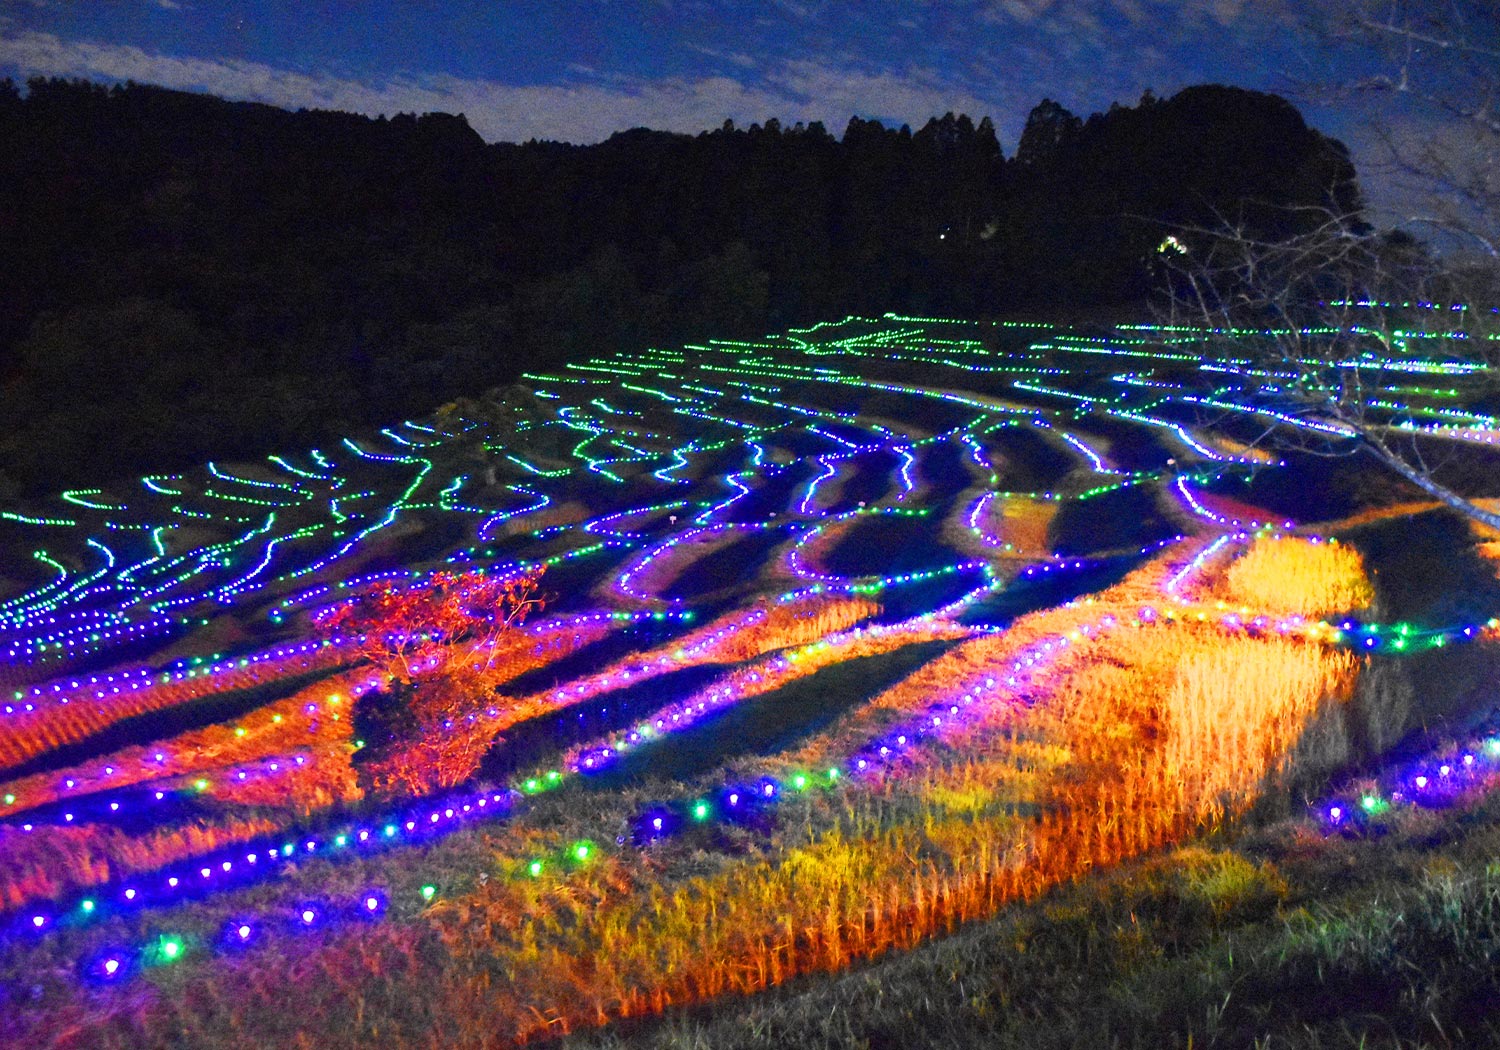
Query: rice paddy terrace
[851,636]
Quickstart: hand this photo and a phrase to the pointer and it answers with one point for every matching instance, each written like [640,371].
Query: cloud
[738,58]
[588,108]
[912,94]
[171,5]
[1023,11]
[801,11]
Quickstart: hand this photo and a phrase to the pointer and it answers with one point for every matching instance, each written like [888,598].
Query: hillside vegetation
[701,697]
[191,279]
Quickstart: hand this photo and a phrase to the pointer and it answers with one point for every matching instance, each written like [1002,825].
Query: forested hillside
[188,278]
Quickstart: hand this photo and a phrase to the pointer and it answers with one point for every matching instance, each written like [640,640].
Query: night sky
[579,70]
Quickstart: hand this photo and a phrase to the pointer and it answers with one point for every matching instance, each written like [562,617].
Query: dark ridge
[1124,518]
[271,280]
[771,723]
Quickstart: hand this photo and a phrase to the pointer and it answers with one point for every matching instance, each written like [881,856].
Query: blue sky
[578,70]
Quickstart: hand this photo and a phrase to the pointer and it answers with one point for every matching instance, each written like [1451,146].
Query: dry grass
[1135,735]
[732,638]
[1129,747]
[29,734]
[53,862]
[316,718]
[1177,729]
[1285,575]
[1126,754]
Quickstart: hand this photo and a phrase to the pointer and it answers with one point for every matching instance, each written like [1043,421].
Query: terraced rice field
[849,636]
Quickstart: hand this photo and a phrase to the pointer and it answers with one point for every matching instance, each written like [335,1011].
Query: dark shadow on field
[139,809]
[912,599]
[771,723]
[155,725]
[836,398]
[1326,488]
[1427,574]
[1125,518]
[1426,570]
[1045,591]
[437,537]
[1316,488]
[529,743]
[845,431]
[1472,471]
[916,410]
[1440,692]
[597,655]
[868,477]
[1132,446]
[736,565]
[1031,463]
[888,545]
[1405,706]
[770,494]
[568,584]
[944,468]
[705,468]
[799,443]
[142,650]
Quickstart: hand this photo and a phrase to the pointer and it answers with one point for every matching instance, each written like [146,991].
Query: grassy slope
[1280,939]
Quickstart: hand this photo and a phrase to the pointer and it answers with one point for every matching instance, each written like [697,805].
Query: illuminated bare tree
[1436,86]
[1318,324]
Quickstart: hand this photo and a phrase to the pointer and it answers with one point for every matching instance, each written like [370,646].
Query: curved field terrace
[674,677]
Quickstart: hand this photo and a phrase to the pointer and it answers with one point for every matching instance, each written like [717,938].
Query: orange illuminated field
[742,664]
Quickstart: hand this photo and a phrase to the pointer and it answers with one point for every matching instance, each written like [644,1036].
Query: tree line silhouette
[189,278]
